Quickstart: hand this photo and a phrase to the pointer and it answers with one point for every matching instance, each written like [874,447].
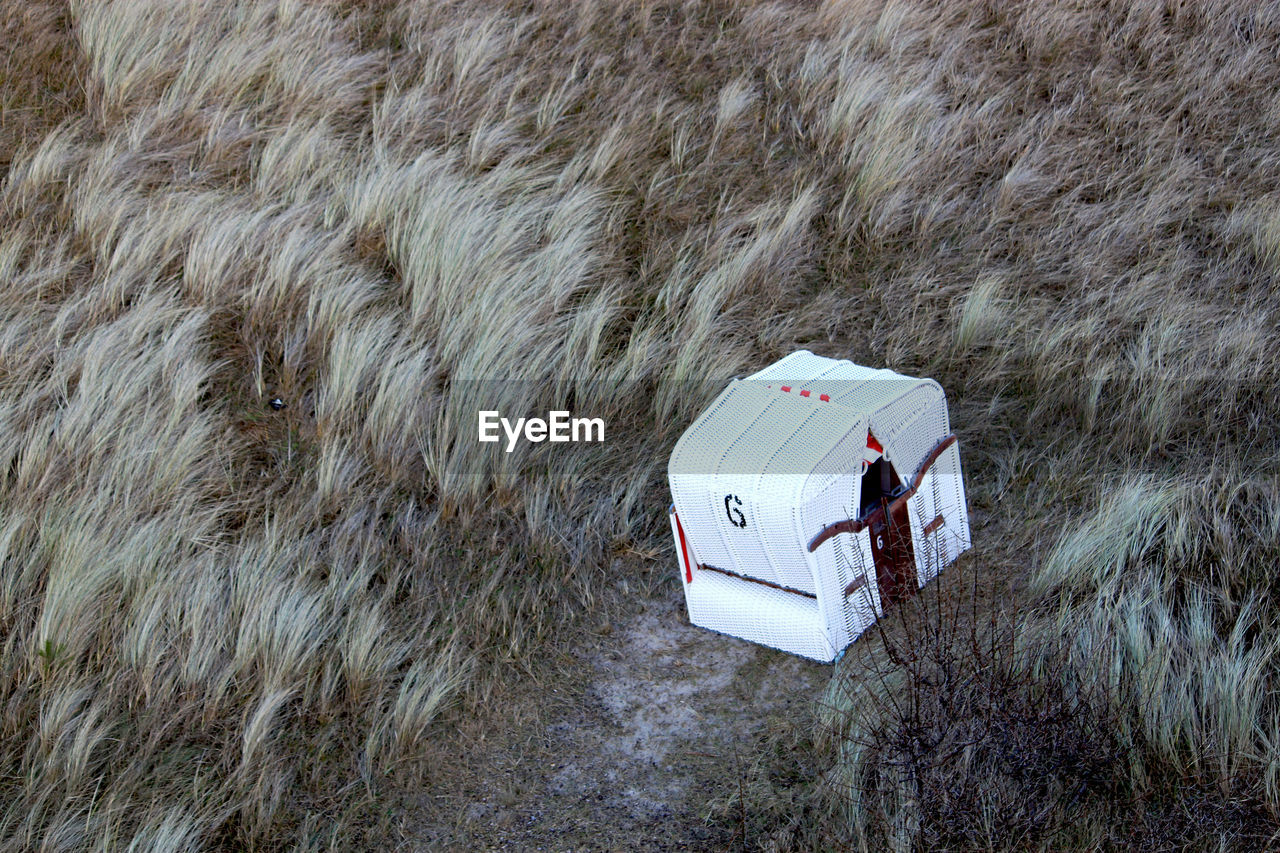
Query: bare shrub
[959,728]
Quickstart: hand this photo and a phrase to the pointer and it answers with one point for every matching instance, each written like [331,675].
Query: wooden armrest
[853,525]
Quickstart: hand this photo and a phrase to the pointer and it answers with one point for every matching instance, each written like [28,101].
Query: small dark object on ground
[277,403]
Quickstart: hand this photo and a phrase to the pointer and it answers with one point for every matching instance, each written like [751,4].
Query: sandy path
[642,741]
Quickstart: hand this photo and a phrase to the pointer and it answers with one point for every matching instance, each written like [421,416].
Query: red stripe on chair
[804,393]
[824,398]
[786,388]
[684,551]
[873,444]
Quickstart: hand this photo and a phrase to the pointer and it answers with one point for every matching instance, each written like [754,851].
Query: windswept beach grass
[230,625]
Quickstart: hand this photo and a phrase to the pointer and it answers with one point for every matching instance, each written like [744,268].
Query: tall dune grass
[230,625]
[1072,198]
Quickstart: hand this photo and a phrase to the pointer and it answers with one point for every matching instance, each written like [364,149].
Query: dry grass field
[225,625]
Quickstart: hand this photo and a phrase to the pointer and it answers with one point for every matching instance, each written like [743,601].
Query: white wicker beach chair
[811,496]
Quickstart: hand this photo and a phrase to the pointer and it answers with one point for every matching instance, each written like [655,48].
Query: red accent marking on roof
[786,388]
[804,393]
[824,398]
[684,551]
[873,444]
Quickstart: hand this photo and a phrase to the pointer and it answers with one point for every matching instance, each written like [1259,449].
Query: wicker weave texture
[775,459]
[750,611]
[739,474]
[941,495]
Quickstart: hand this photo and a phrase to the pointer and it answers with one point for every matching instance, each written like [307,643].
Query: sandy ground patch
[645,749]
